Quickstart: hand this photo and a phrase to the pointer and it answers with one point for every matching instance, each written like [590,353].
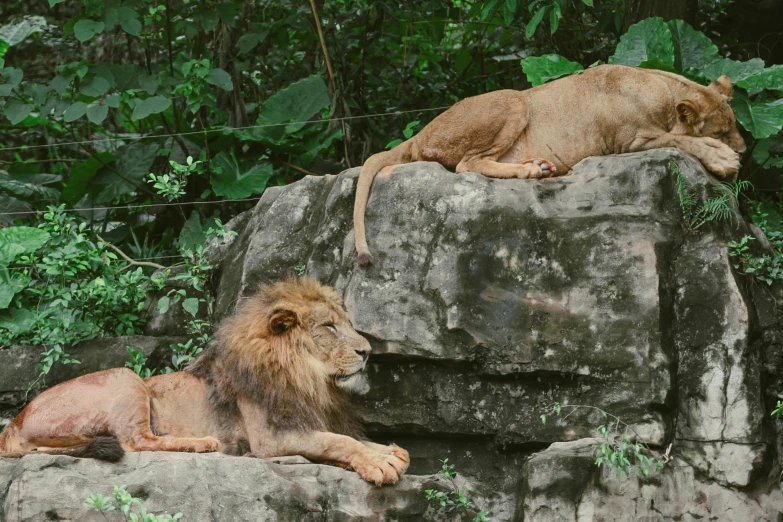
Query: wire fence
[212,131]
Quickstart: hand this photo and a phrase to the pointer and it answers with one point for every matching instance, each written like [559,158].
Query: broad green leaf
[153,105]
[532,25]
[486,10]
[15,32]
[15,241]
[163,304]
[81,174]
[97,113]
[191,306]
[113,101]
[295,104]
[770,78]
[149,82]
[233,183]
[220,78]
[541,69]
[648,40]
[761,152]
[15,76]
[588,3]
[6,90]
[95,86]
[17,111]
[248,41]
[26,185]
[761,118]
[18,321]
[692,48]
[8,288]
[132,167]
[509,11]
[75,111]
[554,18]
[86,29]
[736,71]
[53,3]
[131,26]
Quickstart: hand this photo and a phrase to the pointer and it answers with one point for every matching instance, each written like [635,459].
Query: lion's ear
[723,86]
[687,112]
[282,320]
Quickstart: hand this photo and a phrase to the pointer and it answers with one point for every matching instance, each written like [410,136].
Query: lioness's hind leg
[495,169]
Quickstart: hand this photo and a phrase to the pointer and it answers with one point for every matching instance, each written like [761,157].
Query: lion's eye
[331,327]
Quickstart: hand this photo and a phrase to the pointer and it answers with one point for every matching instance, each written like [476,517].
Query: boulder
[491,300]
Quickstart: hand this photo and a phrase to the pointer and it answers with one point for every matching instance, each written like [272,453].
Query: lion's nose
[363,352]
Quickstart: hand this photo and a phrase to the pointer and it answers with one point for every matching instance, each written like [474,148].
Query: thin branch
[300,169]
[131,262]
[331,75]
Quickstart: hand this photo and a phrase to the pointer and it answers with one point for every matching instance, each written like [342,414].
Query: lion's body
[274,384]
[608,109]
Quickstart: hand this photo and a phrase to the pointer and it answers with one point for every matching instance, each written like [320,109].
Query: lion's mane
[279,372]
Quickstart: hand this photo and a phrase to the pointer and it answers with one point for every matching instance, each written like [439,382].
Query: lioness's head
[708,113]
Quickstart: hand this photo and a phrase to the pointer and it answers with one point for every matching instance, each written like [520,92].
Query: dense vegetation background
[143,124]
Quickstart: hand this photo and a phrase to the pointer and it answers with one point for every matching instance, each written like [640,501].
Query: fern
[721,207]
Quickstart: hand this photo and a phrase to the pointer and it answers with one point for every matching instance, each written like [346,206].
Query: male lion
[275,383]
[608,109]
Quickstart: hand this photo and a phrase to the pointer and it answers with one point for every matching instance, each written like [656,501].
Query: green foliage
[454,499]
[541,69]
[407,132]
[617,451]
[767,265]
[132,508]
[62,285]
[722,206]
[138,363]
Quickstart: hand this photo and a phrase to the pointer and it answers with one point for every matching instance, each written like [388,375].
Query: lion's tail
[402,153]
[101,448]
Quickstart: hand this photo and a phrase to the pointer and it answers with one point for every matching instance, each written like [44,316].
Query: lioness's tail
[101,448]
[399,154]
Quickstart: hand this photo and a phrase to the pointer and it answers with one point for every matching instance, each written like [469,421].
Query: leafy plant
[617,451]
[138,363]
[721,206]
[453,500]
[60,285]
[132,508]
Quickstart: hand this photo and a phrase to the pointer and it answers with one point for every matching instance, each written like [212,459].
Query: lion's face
[340,347]
[316,317]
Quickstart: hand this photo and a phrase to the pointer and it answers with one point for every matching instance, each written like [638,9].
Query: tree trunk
[637,10]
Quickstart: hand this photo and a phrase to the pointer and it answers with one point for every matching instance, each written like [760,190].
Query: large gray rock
[204,488]
[490,300]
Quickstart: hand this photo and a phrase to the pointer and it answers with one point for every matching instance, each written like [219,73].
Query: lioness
[274,384]
[608,109]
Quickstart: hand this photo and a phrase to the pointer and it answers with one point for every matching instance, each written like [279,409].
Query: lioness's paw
[378,468]
[722,161]
[537,168]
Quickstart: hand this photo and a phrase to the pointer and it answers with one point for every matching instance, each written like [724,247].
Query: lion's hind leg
[151,442]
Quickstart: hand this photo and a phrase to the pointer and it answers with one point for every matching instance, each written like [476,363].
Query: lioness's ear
[722,85]
[687,112]
[282,320]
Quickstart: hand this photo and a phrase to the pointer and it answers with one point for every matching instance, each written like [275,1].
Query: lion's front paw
[379,468]
[720,159]
[401,454]
[536,168]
